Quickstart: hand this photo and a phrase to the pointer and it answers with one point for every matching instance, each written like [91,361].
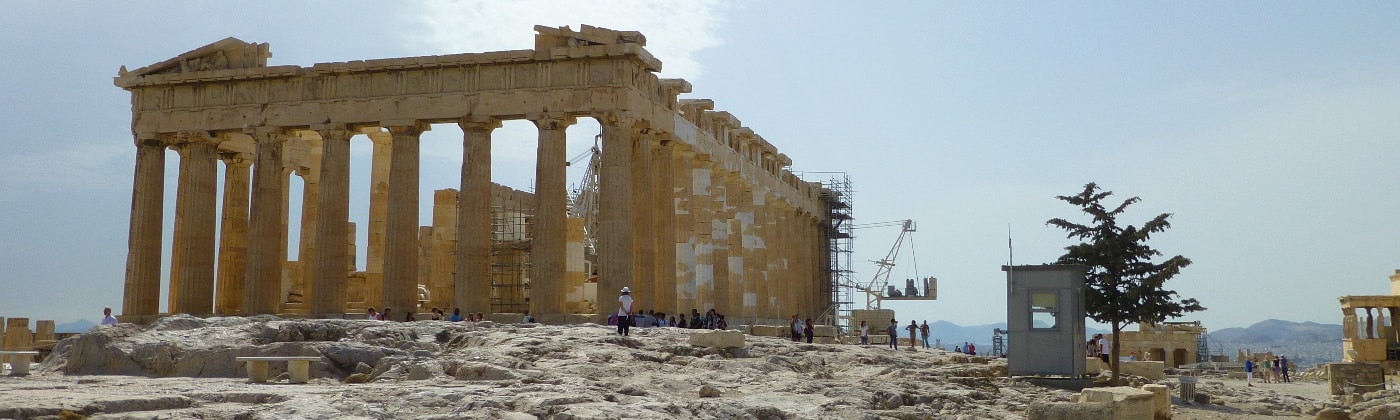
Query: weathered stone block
[1070,411]
[1161,400]
[1147,369]
[769,331]
[1127,402]
[1365,377]
[717,339]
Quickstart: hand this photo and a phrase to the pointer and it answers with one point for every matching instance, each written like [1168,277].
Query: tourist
[893,331]
[923,332]
[913,330]
[107,318]
[456,315]
[1276,371]
[408,317]
[480,317]
[957,349]
[384,316]
[972,349]
[1104,350]
[1091,349]
[864,334]
[373,314]
[795,329]
[1249,372]
[695,319]
[720,323]
[672,322]
[808,331]
[528,319]
[624,311]
[436,315]
[1283,368]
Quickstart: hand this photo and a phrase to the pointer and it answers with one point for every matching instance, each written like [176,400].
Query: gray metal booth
[1045,319]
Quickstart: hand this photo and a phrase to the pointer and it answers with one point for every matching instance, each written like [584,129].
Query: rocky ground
[183,367]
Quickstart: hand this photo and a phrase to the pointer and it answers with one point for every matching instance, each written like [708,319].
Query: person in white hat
[624,311]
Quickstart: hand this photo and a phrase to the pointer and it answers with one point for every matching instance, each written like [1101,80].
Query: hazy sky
[1269,129]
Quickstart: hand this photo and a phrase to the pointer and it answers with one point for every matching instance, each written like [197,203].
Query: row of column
[678,229]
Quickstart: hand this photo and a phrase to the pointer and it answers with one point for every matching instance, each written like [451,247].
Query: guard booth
[1045,319]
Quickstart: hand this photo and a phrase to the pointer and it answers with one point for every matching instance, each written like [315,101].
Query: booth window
[1044,309]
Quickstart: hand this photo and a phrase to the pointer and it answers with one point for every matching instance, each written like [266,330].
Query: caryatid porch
[695,210]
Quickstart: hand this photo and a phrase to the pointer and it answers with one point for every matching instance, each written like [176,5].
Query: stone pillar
[548,248]
[401,219]
[192,264]
[233,235]
[442,259]
[664,226]
[328,263]
[378,210]
[264,273]
[704,207]
[615,196]
[643,221]
[310,220]
[683,184]
[742,300]
[779,276]
[472,288]
[1370,324]
[719,240]
[141,293]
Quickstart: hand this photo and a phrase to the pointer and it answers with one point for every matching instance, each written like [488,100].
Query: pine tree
[1123,285]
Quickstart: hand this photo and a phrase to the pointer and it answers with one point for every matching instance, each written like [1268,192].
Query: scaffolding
[511,233]
[837,196]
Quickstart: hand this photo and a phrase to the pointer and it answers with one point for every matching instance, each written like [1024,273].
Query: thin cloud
[80,167]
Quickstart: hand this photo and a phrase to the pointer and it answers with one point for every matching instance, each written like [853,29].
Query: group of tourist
[800,329]
[967,348]
[893,331]
[437,315]
[1098,347]
[625,318]
[1273,369]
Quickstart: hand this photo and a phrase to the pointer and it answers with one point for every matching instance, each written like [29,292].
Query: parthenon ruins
[694,210]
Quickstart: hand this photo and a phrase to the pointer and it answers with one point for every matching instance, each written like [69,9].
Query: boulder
[707,391]
[1070,411]
[717,339]
[1332,414]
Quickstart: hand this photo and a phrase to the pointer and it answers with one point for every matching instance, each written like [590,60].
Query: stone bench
[19,360]
[298,367]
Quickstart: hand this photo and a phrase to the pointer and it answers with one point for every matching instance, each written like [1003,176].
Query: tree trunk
[1113,354]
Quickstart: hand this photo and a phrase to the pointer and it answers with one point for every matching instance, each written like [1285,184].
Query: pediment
[228,53]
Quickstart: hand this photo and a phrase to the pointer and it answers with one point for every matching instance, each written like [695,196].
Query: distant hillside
[954,334]
[1273,331]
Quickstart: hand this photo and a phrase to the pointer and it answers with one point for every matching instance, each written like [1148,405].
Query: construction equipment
[879,287]
[584,202]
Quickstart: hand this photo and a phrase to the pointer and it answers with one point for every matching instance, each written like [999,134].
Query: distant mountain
[1273,331]
[79,326]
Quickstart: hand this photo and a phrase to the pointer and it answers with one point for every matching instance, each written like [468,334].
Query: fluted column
[380,161]
[401,219]
[141,293]
[664,226]
[643,221]
[264,274]
[704,206]
[233,235]
[683,181]
[472,288]
[741,293]
[548,248]
[192,284]
[329,261]
[719,236]
[303,283]
[615,191]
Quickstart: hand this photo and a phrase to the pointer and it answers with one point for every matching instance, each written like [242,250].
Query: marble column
[548,248]
[442,258]
[233,235]
[141,293]
[472,287]
[683,185]
[740,203]
[329,262]
[264,273]
[719,236]
[380,162]
[615,212]
[704,207]
[664,226]
[643,221]
[401,219]
[192,268]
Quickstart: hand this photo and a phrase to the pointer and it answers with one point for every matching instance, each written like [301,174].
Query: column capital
[334,131]
[617,119]
[405,127]
[551,121]
[236,159]
[478,123]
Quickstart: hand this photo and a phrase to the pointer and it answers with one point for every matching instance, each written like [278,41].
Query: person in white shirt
[624,311]
[864,334]
[107,318]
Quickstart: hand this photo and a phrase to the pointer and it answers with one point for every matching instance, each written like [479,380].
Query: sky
[1267,129]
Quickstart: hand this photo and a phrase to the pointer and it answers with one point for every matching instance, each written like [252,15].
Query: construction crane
[879,287]
[584,203]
